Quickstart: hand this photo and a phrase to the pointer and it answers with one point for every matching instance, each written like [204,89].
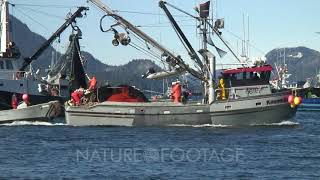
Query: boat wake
[29,123]
[200,126]
[38,123]
[283,123]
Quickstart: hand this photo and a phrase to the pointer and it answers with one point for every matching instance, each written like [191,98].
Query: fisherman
[256,77]
[309,93]
[222,89]
[54,91]
[89,95]
[25,103]
[92,84]
[76,96]
[14,101]
[185,93]
[176,92]
[10,46]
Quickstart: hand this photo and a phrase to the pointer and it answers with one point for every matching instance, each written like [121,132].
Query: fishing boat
[310,100]
[309,92]
[310,104]
[239,97]
[15,77]
[311,95]
[40,112]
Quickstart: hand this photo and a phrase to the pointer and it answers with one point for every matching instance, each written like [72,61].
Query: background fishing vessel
[308,90]
[15,76]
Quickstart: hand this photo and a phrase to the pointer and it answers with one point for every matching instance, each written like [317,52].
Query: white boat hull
[263,110]
[40,112]
[137,114]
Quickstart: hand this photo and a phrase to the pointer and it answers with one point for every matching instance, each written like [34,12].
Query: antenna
[216,8]
[244,37]
[212,15]
[284,56]
[248,37]
[237,47]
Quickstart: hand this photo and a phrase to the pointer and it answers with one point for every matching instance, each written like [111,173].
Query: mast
[208,57]
[248,38]
[7,47]
[208,60]
[4,24]
[172,59]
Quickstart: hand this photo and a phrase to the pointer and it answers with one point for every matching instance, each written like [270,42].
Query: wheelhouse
[247,76]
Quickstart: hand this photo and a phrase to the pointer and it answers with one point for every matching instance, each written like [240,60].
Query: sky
[272,24]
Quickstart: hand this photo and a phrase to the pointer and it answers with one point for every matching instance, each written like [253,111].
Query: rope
[47,6]
[184,44]
[44,13]
[146,52]
[168,23]
[25,14]
[250,44]
[146,13]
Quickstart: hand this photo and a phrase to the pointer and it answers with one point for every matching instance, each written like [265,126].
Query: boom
[173,60]
[175,25]
[46,44]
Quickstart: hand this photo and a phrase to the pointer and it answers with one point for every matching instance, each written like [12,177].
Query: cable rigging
[43,13]
[167,24]
[145,13]
[250,44]
[32,19]
[46,6]
[141,45]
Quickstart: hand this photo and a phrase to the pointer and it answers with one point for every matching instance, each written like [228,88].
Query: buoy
[296,101]
[290,99]
[25,97]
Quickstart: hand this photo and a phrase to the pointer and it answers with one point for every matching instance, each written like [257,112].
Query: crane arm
[46,44]
[175,25]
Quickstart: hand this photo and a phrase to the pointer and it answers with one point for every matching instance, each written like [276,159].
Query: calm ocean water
[289,150]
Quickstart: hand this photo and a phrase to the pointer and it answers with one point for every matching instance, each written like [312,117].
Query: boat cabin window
[247,78]
[1,65]
[9,64]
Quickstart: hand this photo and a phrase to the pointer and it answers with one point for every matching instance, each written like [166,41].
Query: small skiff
[39,112]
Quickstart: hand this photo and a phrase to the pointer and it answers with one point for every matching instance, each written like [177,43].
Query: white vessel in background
[15,79]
